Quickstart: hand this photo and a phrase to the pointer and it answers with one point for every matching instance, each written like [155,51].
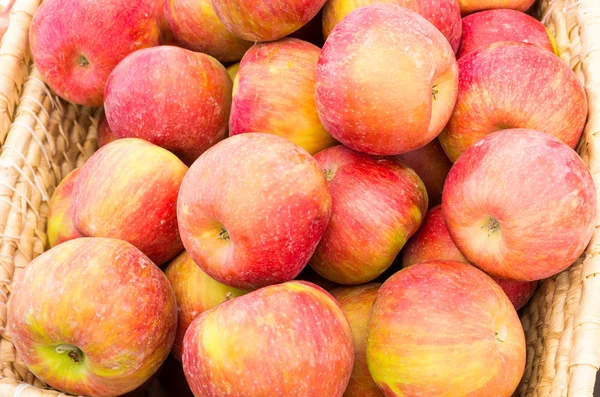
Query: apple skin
[471,6]
[493,26]
[105,135]
[433,242]
[514,85]
[175,98]
[432,165]
[520,204]
[265,20]
[477,349]
[128,190]
[279,340]
[62,300]
[68,40]
[60,223]
[274,92]
[265,235]
[195,292]
[195,26]
[359,184]
[373,48]
[356,302]
[443,14]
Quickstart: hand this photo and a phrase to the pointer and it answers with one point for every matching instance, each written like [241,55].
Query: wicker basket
[43,138]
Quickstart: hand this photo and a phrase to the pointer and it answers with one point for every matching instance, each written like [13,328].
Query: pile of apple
[337,158]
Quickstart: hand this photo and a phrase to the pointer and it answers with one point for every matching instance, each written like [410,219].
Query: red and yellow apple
[175,98]
[195,292]
[265,20]
[372,49]
[432,165]
[520,204]
[514,85]
[105,134]
[60,223]
[444,328]
[290,339]
[377,204]
[274,92]
[470,6]
[443,14]
[261,222]
[196,26]
[484,28]
[356,302]
[128,190]
[68,41]
[93,316]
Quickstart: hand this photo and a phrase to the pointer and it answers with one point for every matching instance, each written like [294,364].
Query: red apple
[433,242]
[195,292]
[432,165]
[105,135]
[443,14]
[60,222]
[444,328]
[196,26]
[470,6]
[5,17]
[520,204]
[172,97]
[261,222]
[128,190]
[372,49]
[274,92]
[93,317]
[488,27]
[356,302]
[514,85]
[265,20]
[378,203]
[77,43]
[290,339]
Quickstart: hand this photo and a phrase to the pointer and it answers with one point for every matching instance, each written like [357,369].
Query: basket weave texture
[43,138]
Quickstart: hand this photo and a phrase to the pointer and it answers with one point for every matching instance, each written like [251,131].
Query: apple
[60,223]
[432,165]
[433,242]
[261,223]
[274,92]
[444,328]
[443,14]
[76,44]
[172,97]
[128,190]
[290,339]
[378,203]
[5,17]
[265,20]
[196,26]
[232,70]
[372,49]
[520,204]
[195,292]
[105,135]
[356,302]
[470,6]
[93,316]
[488,27]
[514,85]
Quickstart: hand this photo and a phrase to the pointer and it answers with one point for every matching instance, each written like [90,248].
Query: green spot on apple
[224,235]
[83,61]
[434,92]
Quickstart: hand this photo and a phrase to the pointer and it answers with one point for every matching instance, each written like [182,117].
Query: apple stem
[73,352]
[224,235]
[493,225]
[83,61]
[328,174]
[434,92]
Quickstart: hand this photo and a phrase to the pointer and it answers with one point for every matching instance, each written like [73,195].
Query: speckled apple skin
[514,85]
[470,6]
[128,190]
[103,32]
[444,328]
[271,199]
[274,92]
[106,298]
[378,203]
[443,14]
[291,339]
[175,98]
[376,48]
[60,223]
[535,191]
